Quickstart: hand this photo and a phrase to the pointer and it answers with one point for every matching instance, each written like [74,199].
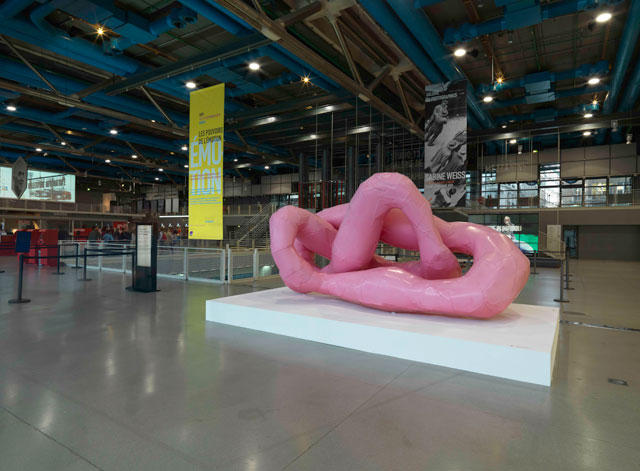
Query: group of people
[110,234]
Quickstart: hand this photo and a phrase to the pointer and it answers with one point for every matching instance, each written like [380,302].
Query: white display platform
[518,344]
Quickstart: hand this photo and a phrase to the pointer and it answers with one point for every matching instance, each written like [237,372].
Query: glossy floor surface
[95,377]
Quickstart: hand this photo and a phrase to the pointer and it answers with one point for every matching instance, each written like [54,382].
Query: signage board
[19,177]
[445,147]
[206,152]
[39,185]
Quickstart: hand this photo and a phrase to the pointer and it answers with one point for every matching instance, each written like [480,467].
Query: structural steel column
[379,156]
[349,174]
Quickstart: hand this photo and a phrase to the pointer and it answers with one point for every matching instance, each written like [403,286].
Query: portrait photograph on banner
[445,146]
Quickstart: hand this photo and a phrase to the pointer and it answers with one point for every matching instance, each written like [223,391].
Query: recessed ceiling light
[313,136]
[535,151]
[134,156]
[157,178]
[306,79]
[594,80]
[459,52]
[113,131]
[190,84]
[603,17]
[586,133]
[185,148]
[153,120]
[513,141]
[254,66]
[488,99]
[588,115]
[500,80]
[38,149]
[160,170]
[11,108]
[329,108]
[100,31]
[504,126]
[235,160]
[266,167]
[186,166]
[108,161]
[271,119]
[63,143]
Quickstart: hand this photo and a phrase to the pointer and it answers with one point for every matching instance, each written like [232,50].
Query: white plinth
[518,344]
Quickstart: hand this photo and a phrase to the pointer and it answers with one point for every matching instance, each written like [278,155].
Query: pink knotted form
[389,208]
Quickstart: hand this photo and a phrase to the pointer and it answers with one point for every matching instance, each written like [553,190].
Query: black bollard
[19,299]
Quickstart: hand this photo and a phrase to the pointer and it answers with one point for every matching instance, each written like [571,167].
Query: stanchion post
[19,299]
[58,272]
[566,276]
[84,268]
[535,262]
[255,264]
[561,298]
[77,250]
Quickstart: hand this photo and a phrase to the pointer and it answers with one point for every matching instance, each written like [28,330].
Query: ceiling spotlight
[134,156]
[108,161]
[185,148]
[271,119]
[63,143]
[113,131]
[186,166]
[488,99]
[88,189]
[504,126]
[100,30]
[254,66]
[306,79]
[594,102]
[603,17]
[157,178]
[535,151]
[190,84]
[588,115]
[594,80]
[160,170]
[38,149]
[512,141]
[500,80]
[459,52]
[11,108]
[586,133]
[266,167]
[313,136]
[629,138]
[153,120]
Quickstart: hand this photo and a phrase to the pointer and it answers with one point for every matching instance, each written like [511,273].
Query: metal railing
[255,231]
[54,206]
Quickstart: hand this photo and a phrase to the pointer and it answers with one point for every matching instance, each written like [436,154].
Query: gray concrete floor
[96,377]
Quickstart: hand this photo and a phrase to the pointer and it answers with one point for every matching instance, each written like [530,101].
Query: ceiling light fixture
[254,66]
[185,148]
[313,136]
[306,79]
[108,161]
[134,156]
[186,166]
[504,126]
[190,84]
[157,178]
[235,160]
[11,108]
[586,133]
[629,138]
[266,167]
[160,170]
[488,99]
[63,143]
[38,149]
[500,80]
[588,115]
[100,30]
[512,141]
[535,151]
[459,52]
[594,80]
[603,17]
[113,131]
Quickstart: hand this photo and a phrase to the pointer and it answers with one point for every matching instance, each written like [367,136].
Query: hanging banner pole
[206,156]
[445,147]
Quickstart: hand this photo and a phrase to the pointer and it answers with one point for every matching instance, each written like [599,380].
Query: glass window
[528,197]
[620,191]
[508,195]
[595,192]
[549,185]
[571,192]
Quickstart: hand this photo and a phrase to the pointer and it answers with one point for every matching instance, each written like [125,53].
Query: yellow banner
[206,151]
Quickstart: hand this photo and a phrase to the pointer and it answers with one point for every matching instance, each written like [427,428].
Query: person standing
[94,235]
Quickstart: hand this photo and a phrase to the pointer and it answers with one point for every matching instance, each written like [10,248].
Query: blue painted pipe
[625,50]
[552,96]
[632,92]
[421,27]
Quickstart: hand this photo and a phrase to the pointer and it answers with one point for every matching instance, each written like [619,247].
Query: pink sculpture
[388,207]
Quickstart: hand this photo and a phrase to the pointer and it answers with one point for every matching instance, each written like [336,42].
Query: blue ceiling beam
[521,14]
[627,45]
[546,115]
[547,96]
[421,27]
[632,91]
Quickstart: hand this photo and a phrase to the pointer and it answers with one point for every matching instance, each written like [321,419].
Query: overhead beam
[403,98]
[75,103]
[28,64]
[380,77]
[345,51]
[293,45]
[241,46]
[158,107]
[300,14]
[96,87]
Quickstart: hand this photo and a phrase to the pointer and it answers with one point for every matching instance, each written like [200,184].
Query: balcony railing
[52,206]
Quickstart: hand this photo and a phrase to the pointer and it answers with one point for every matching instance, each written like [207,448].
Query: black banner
[445,147]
